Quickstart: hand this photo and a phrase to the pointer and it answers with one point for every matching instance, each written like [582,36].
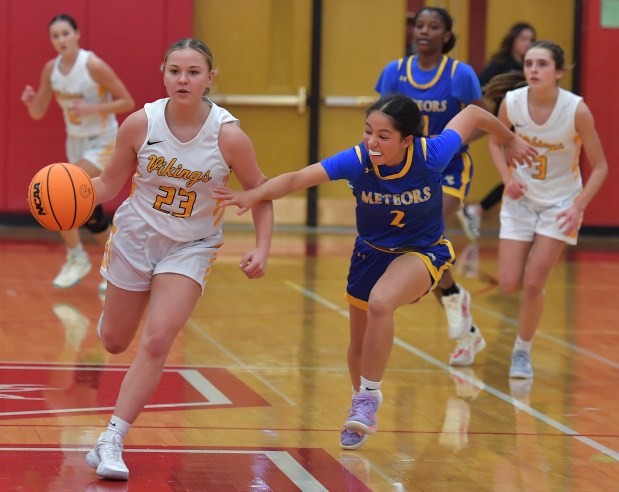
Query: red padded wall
[599,71]
[130,36]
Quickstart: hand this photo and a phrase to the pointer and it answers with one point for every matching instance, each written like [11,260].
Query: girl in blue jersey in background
[441,86]
[400,252]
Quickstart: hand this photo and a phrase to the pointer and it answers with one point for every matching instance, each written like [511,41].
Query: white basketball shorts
[522,219]
[135,253]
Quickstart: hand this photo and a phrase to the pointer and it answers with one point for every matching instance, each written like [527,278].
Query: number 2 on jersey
[397,220]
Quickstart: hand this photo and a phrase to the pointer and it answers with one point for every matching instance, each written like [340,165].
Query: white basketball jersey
[172,187]
[78,84]
[555,174]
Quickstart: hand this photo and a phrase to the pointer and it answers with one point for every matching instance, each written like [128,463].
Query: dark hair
[63,17]
[557,53]
[447,22]
[494,91]
[403,112]
[504,54]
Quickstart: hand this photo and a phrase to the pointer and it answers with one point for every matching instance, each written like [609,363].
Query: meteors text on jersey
[159,165]
[404,198]
[431,106]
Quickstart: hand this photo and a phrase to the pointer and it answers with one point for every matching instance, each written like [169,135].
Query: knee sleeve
[98,221]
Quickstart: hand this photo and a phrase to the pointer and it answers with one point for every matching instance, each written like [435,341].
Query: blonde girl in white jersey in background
[89,94]
[543,205]
[166,235]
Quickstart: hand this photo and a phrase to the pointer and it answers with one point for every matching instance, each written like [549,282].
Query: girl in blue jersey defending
[441,86]
[400,252]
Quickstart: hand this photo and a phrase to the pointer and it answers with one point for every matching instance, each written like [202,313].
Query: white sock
[117,426]
[368,386]
[77,250]
[522,345]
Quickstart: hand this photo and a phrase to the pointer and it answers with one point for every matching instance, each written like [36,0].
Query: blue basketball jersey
[398,206]
[440,93]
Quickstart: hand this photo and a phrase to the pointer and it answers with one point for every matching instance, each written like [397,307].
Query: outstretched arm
[274,188]
[472,117]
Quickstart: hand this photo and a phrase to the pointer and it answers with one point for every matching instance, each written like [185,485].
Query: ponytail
[494,91]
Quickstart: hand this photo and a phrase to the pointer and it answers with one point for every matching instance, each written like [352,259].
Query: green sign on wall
[609,16]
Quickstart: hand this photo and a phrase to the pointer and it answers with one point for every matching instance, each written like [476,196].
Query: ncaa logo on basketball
[36,196]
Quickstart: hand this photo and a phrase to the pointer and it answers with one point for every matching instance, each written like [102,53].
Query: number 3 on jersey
[187,201]
[540,164]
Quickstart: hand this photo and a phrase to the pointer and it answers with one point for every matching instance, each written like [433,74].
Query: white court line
[204,387]
[192,376]
[194,326]
[290,467]
[493,391]
[541,334]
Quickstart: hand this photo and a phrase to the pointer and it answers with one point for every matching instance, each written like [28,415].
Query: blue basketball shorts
[458,175]
[368,264]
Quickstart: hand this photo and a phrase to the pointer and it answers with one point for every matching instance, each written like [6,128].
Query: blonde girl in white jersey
[89,94]
[166,235]
[544,203]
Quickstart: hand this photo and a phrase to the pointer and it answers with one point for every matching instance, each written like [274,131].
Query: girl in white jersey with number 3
[166,235]
[544,203]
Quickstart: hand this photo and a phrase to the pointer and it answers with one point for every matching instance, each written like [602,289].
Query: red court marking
[194,469]
[43,390]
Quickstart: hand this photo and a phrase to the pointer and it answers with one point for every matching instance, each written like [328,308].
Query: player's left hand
[253,264]
[570,220]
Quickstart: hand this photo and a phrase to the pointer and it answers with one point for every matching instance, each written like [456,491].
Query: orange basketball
[61,197]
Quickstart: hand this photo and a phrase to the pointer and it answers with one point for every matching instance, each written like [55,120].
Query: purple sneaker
[352,439]
[362,417]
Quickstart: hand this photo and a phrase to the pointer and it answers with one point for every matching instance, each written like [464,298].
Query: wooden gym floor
[256,388]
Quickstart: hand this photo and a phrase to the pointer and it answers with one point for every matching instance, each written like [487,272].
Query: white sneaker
[74,270]
[458,310]
[467,348]
[106,457]
[470,221]
[521,365]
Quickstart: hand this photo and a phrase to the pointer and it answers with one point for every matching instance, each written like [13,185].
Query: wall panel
[132,40]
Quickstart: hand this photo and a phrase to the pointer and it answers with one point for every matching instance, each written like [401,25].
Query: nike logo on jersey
[519,125]
[153,142]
